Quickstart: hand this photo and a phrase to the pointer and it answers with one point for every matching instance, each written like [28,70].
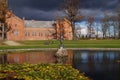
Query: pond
[98,65]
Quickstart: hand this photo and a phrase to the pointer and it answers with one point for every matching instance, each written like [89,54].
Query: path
[12,43]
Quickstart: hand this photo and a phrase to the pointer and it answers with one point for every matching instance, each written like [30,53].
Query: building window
[16,33]
[33,33]
[27,34]
[39,34]
[46,34]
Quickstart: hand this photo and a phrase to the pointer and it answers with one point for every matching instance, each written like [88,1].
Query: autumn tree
[71,10]
[3,17]
[3,10]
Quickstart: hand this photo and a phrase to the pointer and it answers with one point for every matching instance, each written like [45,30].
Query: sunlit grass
[67,44]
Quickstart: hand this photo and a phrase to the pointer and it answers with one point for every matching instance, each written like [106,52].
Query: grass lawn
[67,44]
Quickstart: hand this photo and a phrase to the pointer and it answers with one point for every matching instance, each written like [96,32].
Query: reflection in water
[28,57]
[98,65]
[3,59]
[33,57]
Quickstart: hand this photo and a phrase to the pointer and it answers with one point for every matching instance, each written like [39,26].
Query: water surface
[98,65]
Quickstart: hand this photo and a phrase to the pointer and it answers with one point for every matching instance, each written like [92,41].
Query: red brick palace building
[37,30]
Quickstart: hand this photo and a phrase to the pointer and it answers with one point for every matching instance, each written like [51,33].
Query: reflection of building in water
[3,59]
[70,57]
[33,57]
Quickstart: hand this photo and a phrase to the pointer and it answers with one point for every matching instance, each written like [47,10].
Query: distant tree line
[110,25]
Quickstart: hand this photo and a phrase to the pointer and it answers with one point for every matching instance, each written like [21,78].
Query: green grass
[68,44]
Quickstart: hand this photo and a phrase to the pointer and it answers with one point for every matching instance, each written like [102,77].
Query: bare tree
[97,29]
[114,24]
[3,16]
[118,19]
[106,25]
[71,10]
[78,32]
[90,25]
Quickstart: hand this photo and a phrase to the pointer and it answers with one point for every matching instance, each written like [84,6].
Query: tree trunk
[103,35]
[119,31]
[109,31]
[97,32]
[114,32]
[73,30]
[3,30]
[118,24]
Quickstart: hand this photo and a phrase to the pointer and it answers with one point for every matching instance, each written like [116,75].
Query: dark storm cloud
[35,4]
[47,9]
[35,9]
[98,8]
[102,4]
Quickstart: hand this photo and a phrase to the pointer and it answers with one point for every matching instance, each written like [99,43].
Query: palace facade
[21,29]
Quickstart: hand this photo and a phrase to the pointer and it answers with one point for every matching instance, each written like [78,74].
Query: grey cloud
[102,4]
[48,9]
[97,13]
[114,2]
[35,4]
[37,14]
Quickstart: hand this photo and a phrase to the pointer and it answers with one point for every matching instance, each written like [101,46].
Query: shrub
[39,72]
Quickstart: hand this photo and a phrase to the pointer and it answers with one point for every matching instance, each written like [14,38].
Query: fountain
[61,55]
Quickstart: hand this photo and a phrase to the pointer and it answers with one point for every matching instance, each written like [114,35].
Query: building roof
[38,24]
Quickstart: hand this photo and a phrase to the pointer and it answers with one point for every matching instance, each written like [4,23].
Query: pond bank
[36,49]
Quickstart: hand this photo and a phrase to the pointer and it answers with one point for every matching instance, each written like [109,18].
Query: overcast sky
[48,9]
